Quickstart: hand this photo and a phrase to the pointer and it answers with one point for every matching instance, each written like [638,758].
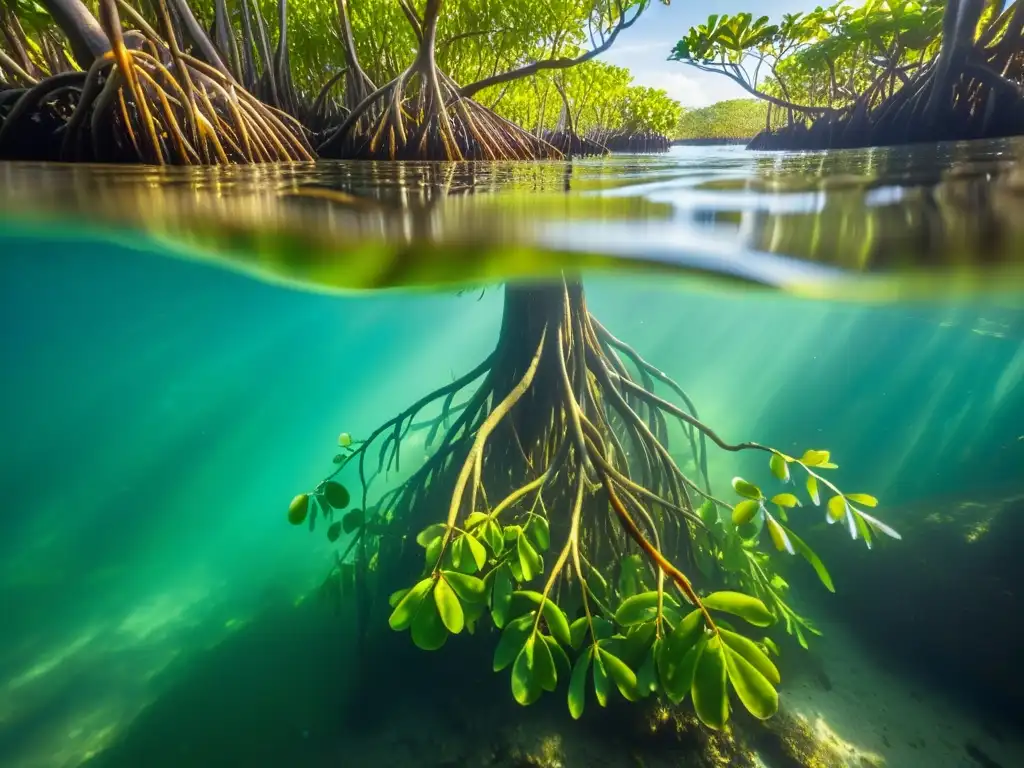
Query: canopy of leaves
[732,119]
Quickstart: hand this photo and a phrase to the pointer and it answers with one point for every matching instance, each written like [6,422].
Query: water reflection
[800,221]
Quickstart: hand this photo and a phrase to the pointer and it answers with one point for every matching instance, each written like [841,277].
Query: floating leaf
[815,458]
[710,698]
[778,536]
[779,467]
[743,488]
[787,500]
[812,490]
[539,532]
[298,509]
[336,494]
[501,596]
[640,608]
[578,684]
[353,520]
[837,509]
[753,689]
[745,511]
[428,629]
[511,642]
[401,618]
[530,562]
[431,533]
[738,604]
[864,499]
[468,588]
[809,555]
[334,531]
[449,607]
[620,673]
[749,650]
[475,550]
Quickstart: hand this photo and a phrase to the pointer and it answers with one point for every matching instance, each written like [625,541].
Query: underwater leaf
[864,499]
[333,532]
[431,533]
[578,684]
[544,672]
[708,512]
[475,519]
[771,645]
[433,552]
[468,588]
[298,509]
[812,490]
[598,585]
[745,511]
[562,664]
[815,458]
[601,685]
[647,675]
[750,651]
[396,597]
[779,467]
[812,558]
[428,629]
[837,509]
[738,604]
[620,673]
[401,618]
[640,608]
[352,520]
[630,575]
[577,631]
[512,641]
[473,613]
[501,596]
[511,532]
[558,624]
[710,698]
[525,685]
[862,529]
[530,562]
[786,500]
[675,665]
[449,607]
[492,535]
[778,535]
[336,494]
[603,629]
[743,488]
[879,526]
[475,550]
[539,532]
[753,689]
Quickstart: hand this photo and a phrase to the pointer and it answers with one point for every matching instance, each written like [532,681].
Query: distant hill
[732,119]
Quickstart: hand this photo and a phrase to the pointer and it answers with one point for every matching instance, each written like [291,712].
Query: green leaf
[512,641]
[674,662]
[334,531]
[336,494]
[787,500]
[640,608]
[745,511]
[558,624]
[754,690]
[578,684]
[812,490]
[778,535]
[353,519]
[474,519]
[812,558]
[710,698]
[492,535]
[401,618]
[539,532]
[746,607]
[562,664]
[743,488]
[433,551]
[470,589]
[708,512]
[475,550]
[396,597]
[544,671]
[837,508]
[779,467]
[750,651]
[530,562]
[863,498]
[428,630]
[647,675]
[525,685]
[618,671]
[630,575]
[598,585]
[298,509]
[771,645]
[430,533]
[449,607]
[577,631]
[501,596]
[601,685]
[815,458]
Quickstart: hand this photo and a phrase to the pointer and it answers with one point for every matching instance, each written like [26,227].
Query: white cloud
[691,89]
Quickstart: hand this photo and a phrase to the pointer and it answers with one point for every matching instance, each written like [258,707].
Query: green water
[183,348]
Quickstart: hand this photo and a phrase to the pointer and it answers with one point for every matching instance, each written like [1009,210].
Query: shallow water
[183,348]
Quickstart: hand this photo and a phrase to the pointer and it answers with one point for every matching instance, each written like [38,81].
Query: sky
[644,48]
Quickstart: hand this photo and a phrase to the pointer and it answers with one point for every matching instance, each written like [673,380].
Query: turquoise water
[159,413]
